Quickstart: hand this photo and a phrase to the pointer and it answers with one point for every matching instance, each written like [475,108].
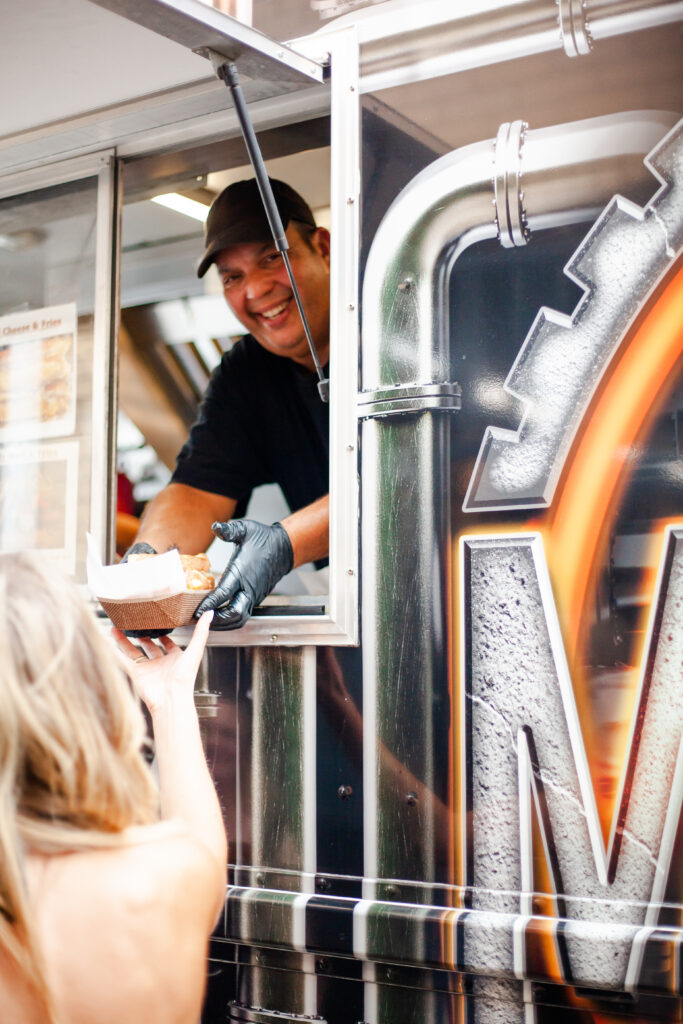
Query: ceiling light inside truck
[183,204]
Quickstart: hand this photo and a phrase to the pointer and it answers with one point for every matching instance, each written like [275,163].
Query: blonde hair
[72,771]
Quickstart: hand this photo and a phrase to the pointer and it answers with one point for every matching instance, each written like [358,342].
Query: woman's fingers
[197,643]
[124,645]
[151,649]
[155,649]
[124,660]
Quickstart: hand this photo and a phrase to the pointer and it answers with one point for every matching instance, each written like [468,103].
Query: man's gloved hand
[142,548]
[263,556]
[139,548]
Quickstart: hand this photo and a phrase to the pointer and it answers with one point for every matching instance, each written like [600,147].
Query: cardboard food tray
[162,613]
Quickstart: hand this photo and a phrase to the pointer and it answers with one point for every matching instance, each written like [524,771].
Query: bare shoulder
[161,872]
[190,870]
[143,911]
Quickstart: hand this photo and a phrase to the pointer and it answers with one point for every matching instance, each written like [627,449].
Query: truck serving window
[181,337]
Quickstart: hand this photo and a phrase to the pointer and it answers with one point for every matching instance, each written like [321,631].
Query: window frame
[339,624]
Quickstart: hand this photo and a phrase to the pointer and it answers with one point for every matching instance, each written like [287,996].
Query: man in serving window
[261,419]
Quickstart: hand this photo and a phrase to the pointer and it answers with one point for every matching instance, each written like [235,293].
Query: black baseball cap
[237,215]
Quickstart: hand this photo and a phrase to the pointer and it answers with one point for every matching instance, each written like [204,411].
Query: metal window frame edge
[345,346]
[19,182]
[102,166]
[105,351]
[126,126]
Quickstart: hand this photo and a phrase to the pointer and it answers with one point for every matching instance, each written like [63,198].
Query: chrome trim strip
[401,400]
[276,630]
[405,406]
[241,1014]
[309,841]
[408,391]
[103,430]
[344,333]
[432,936]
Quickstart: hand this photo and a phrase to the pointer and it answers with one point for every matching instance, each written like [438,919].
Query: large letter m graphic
[525,747]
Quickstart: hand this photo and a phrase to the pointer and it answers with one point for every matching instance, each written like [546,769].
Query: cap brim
[206,261]
[236,234]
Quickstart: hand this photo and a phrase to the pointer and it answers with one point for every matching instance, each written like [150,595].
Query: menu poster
[39,500]
[38,373]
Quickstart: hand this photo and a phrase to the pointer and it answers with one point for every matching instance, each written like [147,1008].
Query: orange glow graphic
[575,531]
[578,528]
[573,537]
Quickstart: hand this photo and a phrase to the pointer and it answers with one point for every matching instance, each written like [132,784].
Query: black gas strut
[227,71]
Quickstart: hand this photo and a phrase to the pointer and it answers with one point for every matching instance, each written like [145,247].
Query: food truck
[450,763]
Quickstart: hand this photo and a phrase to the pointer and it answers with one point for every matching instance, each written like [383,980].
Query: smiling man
[261,419]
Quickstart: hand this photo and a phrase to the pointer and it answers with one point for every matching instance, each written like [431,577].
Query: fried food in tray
[196,568]
[142,614]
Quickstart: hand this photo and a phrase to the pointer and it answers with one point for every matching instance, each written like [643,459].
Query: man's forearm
[181,516]
[309,531]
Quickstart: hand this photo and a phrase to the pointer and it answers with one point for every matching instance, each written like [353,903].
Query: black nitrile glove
[139,548]
[142,548]
[263,556]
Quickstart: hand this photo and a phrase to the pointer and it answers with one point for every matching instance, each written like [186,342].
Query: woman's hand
[163,669]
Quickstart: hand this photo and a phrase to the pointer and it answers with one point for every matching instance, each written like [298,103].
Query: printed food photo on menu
[37,373]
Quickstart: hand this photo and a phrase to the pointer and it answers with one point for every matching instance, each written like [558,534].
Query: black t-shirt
[261,421]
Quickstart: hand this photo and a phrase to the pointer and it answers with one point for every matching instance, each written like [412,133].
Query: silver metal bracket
[576,37]
[255,1015]
[217,59]
[511,219]
[410,398]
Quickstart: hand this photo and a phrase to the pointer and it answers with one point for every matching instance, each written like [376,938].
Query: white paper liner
[146,594]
